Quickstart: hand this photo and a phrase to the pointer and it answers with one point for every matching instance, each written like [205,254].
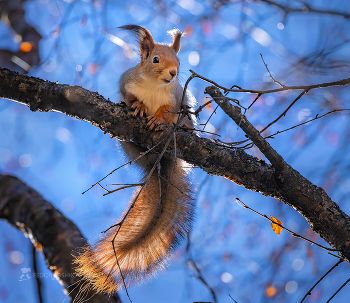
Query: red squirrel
[155,226]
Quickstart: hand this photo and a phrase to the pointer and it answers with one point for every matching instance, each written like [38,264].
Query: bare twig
[199,274]
[284,112]
[306,9]
[310,290]
[127,163]
[200,108]
[234,144]
[285,88]
[306,122]
[232,298]
[256,98]
[273,79]
[37,277]
[116,258]
[120,188]
[280,225]
[199,130]
[339,289]
[214,111]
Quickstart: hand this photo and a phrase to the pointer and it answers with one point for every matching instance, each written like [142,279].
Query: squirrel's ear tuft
[143,37]
[177,34]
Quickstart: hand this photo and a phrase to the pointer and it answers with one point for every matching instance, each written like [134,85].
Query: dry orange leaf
[276,228]
[26,47]
[271,291]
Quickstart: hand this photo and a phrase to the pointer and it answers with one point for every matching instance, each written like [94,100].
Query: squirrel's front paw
[139,107]
[154,121]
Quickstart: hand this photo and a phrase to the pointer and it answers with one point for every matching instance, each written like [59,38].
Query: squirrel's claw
[139,107]
[153,121]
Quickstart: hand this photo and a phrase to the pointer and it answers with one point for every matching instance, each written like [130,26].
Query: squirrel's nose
[172,73]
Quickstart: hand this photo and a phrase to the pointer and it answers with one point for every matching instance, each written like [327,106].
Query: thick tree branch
[234,112]
[117,120]
[49,230]
[323,215]
[280,180]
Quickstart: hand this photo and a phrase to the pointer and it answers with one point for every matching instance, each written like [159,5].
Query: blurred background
[233,253]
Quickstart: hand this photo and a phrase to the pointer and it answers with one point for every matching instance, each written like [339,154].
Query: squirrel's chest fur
[153,95]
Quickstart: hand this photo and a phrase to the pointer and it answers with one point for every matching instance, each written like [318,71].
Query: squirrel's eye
[155,60]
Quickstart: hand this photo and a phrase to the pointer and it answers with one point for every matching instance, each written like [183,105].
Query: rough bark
[278,180]
[324,216]
[50,231]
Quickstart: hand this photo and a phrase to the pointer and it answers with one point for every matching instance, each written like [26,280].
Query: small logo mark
[25,274]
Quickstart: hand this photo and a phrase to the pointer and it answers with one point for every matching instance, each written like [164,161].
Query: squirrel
[163,212]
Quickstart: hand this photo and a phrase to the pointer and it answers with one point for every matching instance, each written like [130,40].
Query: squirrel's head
[158,61]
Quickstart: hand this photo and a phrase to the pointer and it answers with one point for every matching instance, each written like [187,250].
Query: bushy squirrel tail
[153,228]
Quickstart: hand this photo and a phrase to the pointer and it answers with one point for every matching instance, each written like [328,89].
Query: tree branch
[118,120]
[306,9]
[275,90]
[49,230]
[323,215]
[278,180]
